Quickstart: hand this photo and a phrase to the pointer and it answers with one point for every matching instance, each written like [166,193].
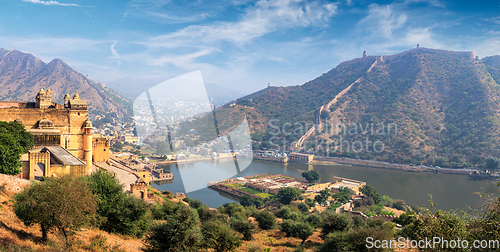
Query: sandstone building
[62,134]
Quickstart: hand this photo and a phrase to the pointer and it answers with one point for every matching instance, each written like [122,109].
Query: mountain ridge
[446,105]
[22,75]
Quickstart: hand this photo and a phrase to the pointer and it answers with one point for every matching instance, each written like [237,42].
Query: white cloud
[186,60]
[422,36]
[166,11]
[495,20]
[51,3]
[488,48]
[382,21]
[263,18]
[113,50]
[48,48]
[385,30]
[51,45]
[434,3]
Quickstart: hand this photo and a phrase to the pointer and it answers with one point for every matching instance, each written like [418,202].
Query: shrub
[245,227]
[288,194]
[181,232]
[301,230]
[303,207]
[335,222]
[121,213]
[310,202]
[288,213]
[266,220]
[231,209]
[315,220]
[336,241]
[219,236]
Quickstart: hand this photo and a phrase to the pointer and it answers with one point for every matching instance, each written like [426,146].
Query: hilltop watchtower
[364,54]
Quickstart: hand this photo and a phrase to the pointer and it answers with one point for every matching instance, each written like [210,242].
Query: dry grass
[277,241]
[15,236]
[396,212]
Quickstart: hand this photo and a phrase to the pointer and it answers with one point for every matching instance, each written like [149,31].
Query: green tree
[492,163]
[303,207]
[288,194]
[311,176]
[446,225]
[65,203]
[310,202]
[301,230]
[336,242]
[121,213]
[376,228]
[219,236]
[10,155]
[289,213]
[245,227]
[180,232]
[118,145]
[335,222]
[369,191]
[315,219]
[323,196]
[266,145]
[399,204]
[14,140]
[162,148]
[325,115]
[24,138]
[232,209]
[266,220]
[487,226]
[343,195]
[356,239]
[247,200]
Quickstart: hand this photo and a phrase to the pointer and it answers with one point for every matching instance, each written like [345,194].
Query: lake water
[448,191]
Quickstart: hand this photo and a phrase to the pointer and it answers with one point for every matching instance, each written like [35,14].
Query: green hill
[442,108]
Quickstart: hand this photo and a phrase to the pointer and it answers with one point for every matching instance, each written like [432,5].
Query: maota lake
[449,192]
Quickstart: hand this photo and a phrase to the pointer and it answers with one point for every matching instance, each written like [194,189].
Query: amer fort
[62,134]
[64,143]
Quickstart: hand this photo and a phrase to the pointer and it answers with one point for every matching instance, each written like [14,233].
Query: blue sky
[238,44]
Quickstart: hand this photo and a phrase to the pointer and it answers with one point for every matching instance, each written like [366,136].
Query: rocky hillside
[443,108]
[22,75]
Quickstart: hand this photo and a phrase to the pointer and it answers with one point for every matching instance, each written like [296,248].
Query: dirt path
[125,177]
[318,125]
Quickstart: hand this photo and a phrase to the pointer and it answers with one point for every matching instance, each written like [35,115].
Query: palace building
[62,134]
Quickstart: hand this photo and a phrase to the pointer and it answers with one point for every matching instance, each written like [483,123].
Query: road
[125,177]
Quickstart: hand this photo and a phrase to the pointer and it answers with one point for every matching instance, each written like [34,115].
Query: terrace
[261,185]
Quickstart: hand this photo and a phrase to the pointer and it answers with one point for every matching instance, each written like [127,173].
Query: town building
[300,157]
